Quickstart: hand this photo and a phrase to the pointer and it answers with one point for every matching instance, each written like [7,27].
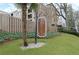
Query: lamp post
[36,27]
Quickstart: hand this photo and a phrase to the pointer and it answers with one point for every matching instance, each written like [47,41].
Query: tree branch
[58,13]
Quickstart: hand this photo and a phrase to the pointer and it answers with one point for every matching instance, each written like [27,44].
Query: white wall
[61,21]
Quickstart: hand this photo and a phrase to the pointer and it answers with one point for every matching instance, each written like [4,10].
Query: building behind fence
[13,23]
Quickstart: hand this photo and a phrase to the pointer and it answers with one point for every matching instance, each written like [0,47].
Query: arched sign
[41,27]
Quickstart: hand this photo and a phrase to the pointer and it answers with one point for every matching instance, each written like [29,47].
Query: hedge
[18,35]
[72,32]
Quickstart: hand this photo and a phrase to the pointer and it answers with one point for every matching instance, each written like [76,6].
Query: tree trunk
[24,22]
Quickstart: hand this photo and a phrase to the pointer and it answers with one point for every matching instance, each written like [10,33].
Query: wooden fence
[13,24]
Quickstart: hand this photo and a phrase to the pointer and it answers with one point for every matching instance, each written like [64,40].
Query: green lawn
[58,45]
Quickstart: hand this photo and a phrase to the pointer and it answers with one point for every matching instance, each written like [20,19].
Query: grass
[64,44]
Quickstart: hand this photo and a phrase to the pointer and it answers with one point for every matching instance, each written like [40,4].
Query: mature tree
[76,18]
[70,19]
[66,12]
[23,7]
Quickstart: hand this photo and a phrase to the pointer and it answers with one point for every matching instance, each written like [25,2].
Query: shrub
[72,32]
[1,39]
[9,35]
[13,36]
[31,34]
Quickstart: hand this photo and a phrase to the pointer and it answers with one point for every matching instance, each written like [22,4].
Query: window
[30,16]
[52,24]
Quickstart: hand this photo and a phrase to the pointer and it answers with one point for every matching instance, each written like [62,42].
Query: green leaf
[34,6]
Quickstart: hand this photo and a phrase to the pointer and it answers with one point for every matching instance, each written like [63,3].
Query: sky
[9,7]
[75,6]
